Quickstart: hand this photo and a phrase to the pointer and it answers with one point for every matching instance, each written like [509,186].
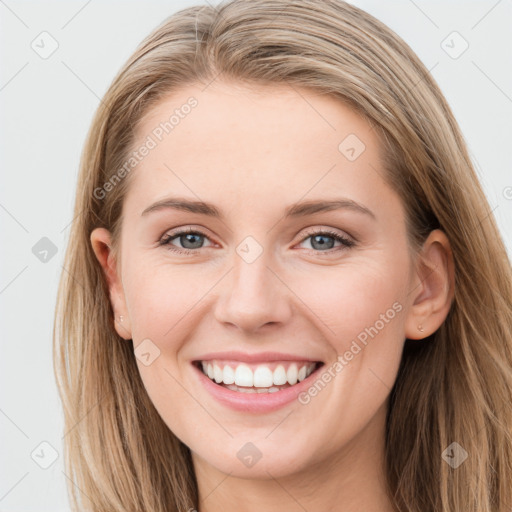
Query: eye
[324,241]
[190,240]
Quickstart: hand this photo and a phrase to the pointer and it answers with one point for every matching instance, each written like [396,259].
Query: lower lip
[255,402]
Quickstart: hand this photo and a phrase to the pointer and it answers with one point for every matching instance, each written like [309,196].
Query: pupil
[322,244]
[189,238]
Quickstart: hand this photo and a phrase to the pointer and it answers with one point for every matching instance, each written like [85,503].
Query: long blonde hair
[455,386]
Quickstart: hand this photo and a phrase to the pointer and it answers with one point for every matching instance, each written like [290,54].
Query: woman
[284,288]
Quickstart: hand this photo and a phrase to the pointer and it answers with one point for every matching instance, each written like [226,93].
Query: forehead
[230,140]
[277,115]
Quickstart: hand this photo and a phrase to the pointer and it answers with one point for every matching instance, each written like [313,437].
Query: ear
[101,244]
[433,287]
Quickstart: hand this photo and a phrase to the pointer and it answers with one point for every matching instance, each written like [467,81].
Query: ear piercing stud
[420,328]
[121,318]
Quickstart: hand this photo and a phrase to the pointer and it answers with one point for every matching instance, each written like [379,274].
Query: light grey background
[46,108]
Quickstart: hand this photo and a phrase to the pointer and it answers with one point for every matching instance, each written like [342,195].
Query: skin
[253,152]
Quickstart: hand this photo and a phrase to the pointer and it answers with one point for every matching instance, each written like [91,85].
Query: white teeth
[291,374]
[228,375]
[242,389]
[261,380]
[279,376]
[247,390]
[243,376]
[218,374]
[263,377]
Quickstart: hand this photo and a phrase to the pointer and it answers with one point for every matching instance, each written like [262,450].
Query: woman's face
[298,263]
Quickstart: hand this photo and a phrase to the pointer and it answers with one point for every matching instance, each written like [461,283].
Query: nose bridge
[253,295]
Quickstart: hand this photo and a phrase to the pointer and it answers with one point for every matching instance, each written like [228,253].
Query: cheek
[158,297]
[349,299]
[162,300]
[360,310]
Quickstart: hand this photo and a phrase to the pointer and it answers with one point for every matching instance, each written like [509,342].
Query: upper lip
[261,357]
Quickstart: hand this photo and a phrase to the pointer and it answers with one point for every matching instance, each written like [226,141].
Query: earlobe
[101,242]
[432,287]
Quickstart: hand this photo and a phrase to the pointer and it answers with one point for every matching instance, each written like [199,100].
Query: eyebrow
[296,210]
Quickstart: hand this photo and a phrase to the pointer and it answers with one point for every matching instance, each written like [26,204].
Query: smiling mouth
[257,378]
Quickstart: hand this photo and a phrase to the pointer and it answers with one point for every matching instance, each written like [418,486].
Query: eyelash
[166,240]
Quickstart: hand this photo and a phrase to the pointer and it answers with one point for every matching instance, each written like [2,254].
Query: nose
[253,296]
